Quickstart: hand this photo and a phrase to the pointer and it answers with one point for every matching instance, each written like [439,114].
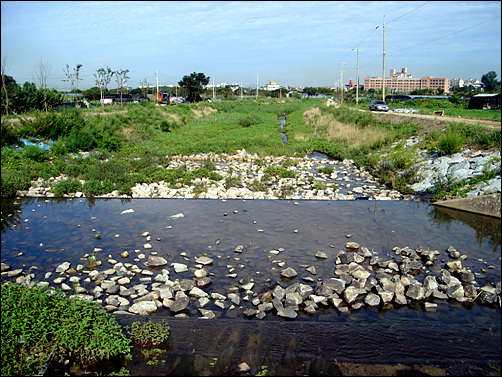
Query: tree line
[19,99]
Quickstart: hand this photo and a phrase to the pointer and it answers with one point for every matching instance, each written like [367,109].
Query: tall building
[402,82]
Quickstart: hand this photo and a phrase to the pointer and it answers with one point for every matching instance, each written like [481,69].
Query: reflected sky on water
[42,233]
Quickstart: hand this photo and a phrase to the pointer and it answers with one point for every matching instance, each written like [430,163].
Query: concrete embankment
[488,205]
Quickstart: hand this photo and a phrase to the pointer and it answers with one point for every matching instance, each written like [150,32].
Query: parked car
[377,105]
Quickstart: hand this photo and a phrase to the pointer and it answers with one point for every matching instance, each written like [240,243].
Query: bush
[149,333]
[38,321]
[8,136]
[13,181]
[279,171]
[450,142]
[67,186]
[80,140]
[35,153]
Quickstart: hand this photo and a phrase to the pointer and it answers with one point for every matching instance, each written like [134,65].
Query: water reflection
[41,233]
[487,228]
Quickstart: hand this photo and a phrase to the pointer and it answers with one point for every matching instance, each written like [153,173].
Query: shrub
[325,169]
[38,321]
[8,136]
[13,181]
[450,142]
[149,333]
[35,153]
[279,171]
[67,186]
[80,140]
[94,187]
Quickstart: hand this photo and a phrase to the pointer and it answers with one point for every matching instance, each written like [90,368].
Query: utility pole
[357,74]
[383,66]
[241,91]
[256,87]
[341,79]
[157,94]
[214,97]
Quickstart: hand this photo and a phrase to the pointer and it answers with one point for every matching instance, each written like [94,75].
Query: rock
[415,292]
[143,308]
[124,254]
[242,368]
[204,282]
[208,314]
[352,246]
[197,292]
[350,294]
[156,261]
[62,267]
[288,273]
[287,313]
[321,255]
[179,267]
[372,299]
[239,249]
[204,260]
[312,270]
[180,303]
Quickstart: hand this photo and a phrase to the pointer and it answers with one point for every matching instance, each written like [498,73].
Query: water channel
[40,233]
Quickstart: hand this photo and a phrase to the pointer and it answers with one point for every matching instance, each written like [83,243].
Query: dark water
[42,233]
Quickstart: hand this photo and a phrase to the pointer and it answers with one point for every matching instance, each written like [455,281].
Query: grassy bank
[134,144]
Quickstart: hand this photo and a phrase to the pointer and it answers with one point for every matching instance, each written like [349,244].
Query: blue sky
[295,43]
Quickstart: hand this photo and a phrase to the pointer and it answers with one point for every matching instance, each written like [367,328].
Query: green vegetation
[39,322]
[149,333]
[124,147]
[149,336]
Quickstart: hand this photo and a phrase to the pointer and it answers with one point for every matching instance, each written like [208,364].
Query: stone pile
[362,279]
[434,170]
[346,182]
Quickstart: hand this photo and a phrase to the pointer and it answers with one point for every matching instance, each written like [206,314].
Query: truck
[163,98]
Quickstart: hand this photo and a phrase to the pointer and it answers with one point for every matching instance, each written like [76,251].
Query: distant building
[272,85]
[460,83]
[402,82]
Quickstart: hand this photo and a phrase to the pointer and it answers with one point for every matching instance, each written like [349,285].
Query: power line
[445,36]
[397,18]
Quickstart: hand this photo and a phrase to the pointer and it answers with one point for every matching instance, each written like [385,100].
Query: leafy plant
[149,333]
[39,321]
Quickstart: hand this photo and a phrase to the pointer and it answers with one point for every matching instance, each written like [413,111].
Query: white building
[272,85]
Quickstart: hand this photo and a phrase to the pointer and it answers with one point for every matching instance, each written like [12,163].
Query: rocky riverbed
[362,279]
[312,178]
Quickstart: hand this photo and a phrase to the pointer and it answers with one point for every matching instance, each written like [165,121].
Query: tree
[92,94]
[121,78]
[144,87]
[73,78]
[29,97]
[194,86]
[490,81]
[9,87]
[103,78]
[42,73]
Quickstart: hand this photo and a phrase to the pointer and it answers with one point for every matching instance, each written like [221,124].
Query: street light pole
[383,66]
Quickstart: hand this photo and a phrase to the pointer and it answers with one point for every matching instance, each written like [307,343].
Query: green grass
[134,144]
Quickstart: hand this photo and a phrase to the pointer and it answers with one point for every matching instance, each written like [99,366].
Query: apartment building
[402,82]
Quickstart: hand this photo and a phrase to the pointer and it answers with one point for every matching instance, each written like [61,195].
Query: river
[38,234]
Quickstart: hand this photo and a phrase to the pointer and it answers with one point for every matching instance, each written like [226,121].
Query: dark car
[377,105]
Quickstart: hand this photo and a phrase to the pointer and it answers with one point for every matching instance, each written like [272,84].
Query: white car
[378,106]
